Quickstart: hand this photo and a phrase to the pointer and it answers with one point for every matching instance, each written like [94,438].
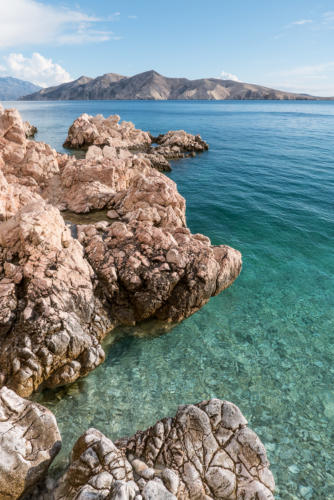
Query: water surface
[266,187]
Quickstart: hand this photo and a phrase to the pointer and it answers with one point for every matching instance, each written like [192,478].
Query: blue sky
[285,44]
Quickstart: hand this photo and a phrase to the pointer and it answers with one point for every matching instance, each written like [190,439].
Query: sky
[286,44]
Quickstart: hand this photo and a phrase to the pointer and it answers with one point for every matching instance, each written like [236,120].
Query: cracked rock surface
[29,441]
[61,292]
[206,452]
[99,131]
[50,319]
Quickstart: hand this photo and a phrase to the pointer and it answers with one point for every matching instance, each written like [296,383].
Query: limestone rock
[176,143]
[160,272]
[97,130]
[50,319]
[30,130]
[205,452]
[59,296]
[29,441]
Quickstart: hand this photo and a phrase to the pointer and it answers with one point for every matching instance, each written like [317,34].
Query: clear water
[266,187]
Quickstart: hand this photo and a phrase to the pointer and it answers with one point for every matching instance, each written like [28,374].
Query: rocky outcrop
[29,441]
[205,452]
[176,143]
[99,131]
[51,321]
[62,292]
[30,130]
[156,272]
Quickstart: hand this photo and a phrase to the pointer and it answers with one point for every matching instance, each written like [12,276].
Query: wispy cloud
[29,22]
[132,17]
[229,76]
[301,22]
[36,69]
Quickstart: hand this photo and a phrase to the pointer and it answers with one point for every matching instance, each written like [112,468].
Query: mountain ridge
[13,88]
[151,85]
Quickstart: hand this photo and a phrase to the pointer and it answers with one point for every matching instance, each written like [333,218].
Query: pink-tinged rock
[97,130]
[51,322]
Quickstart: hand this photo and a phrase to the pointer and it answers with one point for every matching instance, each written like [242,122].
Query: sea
[265,187]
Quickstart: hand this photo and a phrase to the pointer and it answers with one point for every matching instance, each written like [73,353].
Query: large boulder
[29,441]
[160,272]
[51,321]
[99,131]
[205,452]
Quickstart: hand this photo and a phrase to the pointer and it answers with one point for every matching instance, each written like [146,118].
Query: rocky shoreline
[63,291]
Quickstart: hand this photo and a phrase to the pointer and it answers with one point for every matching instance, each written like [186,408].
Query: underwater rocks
[206,452]
[29,441]
[99,131]
[50,318]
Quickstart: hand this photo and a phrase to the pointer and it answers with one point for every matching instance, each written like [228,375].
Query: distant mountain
[151,85]
[12,88]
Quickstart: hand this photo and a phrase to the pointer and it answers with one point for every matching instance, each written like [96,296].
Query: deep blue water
[266,187]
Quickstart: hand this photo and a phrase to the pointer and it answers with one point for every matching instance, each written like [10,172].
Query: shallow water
[266,187]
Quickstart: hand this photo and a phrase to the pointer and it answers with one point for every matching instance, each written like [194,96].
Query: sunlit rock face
[50,319]
[205,452]
[29,441]
[62,292]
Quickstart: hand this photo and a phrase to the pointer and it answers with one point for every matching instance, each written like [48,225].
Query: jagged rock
[148,271]
[50,319]
[97,130]
[30,130]
[59,297]
[176,143]
[29,441]
[205,452]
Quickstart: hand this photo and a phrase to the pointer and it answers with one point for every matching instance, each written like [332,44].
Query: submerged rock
[29,441]
[205,452]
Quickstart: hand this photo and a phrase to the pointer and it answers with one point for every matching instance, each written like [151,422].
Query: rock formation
[29,441]
[205,452]
[61,293]
[30,130]
[99,131]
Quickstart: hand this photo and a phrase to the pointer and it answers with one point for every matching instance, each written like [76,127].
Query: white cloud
[229,76]
[301,22]
[132,17]
[24,22]
[36,69]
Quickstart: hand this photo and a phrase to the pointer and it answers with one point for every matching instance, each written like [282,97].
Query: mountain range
[12,89]
[153,86]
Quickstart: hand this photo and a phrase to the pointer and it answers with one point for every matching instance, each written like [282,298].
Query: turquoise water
[266,187]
